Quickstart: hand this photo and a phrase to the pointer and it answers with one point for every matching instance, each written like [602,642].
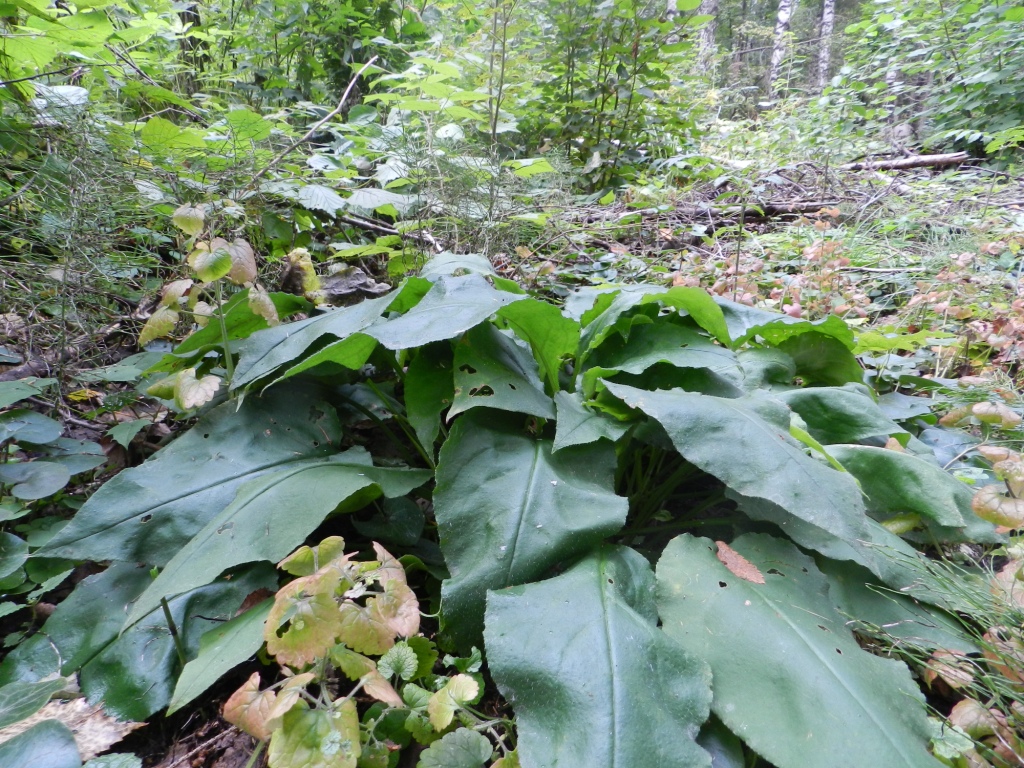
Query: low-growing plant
[646,508]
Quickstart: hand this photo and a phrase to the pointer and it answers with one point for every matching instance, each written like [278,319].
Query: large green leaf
[265,523]
[660,342]
[508,510]
[450,308]
[591,678]
[48,744]
[552,336]
[266,351]
[132,673]
[221,649]
[493,370]
[579,425]
[879,610]
[747,323]
[149,512]
[899,483]
[840,414]
[429,390]
[789,678]
[745,443]
[698,304]
[822,359]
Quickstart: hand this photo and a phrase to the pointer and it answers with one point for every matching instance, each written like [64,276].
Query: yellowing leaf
[316,738]
[955,416]
[363,629]
[211,261]
[243,262]
[83,395]
[442,706]
[954,669]
[989,503]
[287,698]
[996,454]
[305,561]
[358,667]
[189,219]
[191,392]
[164,388]
[304,622]
[738,564]
[173,291]
[201,313]
[261,304]
[976,721]
[249,708]
[160,323]
[996,413]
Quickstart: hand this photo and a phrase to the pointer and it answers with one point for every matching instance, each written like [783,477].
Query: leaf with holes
[783,642]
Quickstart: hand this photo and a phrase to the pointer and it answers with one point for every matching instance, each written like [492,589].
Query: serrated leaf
[246,125]
[248,708]
[400,660]
[372,628]
[159,324]
[783,642]
[288,697]
[581,654]
[306,560]
[508,509]
[304,622]
[211,260]
[220,650]
[316,738]
[148,513]
[189,219]
[461,748]
[359,667]
[191,392]
[443,704]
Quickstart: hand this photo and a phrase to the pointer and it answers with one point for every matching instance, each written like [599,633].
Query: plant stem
[255,756]
[229,364]
[178,646]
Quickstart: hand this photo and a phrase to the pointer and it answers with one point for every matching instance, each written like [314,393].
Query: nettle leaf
[450,308]
[221,649]
[841,415]
[191,392]
[148,513]
[582,654]
[249,708]
[552,336]
[578,425]
[429,390]
[161,323]
[252,527]
[317,738]
[443,704]
[304,622]
[783,642]
[508,509]
[401,661]
[745,443]
[189,219]
[462,748]
[211,260]
[492,370]
[896,483]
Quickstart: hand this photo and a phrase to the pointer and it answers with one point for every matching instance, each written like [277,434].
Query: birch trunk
[828,23]
[786,8]
[706,47]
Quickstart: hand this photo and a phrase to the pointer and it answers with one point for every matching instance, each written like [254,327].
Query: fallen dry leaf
[738,564]
[94,731]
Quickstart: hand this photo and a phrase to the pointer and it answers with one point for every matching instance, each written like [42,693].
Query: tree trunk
[828,23]
[706,47]
[786,8]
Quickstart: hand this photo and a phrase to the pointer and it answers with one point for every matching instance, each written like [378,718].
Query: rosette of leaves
[565,450]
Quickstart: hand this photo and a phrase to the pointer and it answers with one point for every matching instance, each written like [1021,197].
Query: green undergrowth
[628,530]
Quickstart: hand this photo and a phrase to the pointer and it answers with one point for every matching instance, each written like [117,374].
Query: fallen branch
[914,161]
